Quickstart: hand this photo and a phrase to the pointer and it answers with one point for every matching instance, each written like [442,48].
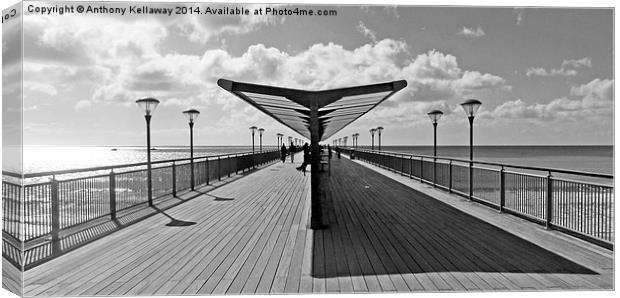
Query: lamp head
[148,105]
[191,115]
[471,106]
[435,115]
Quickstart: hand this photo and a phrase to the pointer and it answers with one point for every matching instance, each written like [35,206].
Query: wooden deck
[252,236]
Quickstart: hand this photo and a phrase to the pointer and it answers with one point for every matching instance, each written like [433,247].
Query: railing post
[402,164]
[450,176]
[112,195]
[502,189]
[229,167]
[471,180]
[237,164]
[55,217]
[549,201]
[174,179]
[435,172]
[411,166]
[421,169]
[219,168]
[207,167]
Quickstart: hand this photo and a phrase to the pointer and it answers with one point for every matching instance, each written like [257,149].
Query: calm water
[40,159]
[584,158]
[597,159]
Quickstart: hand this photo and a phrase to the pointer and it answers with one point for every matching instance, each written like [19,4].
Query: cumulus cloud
[434,76]
[124,67]
[577,63]
[478,32]
[592,101]
[567,69]
[202,29]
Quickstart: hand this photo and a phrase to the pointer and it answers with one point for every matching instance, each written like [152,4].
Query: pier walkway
[252,236]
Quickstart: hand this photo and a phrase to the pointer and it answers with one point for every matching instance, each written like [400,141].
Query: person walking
[303,166]
[329,151]
[283,153]
[291,151]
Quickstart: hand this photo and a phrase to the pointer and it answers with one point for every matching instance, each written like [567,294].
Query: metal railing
[578,203]
[36,214]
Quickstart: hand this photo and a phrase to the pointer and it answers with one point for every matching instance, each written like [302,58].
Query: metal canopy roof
[336,108]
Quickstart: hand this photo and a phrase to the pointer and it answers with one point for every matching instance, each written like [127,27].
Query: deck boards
[252,236]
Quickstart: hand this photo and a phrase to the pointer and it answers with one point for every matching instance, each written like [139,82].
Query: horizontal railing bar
[588,183]
[563,171]
[92,169]
[527,174]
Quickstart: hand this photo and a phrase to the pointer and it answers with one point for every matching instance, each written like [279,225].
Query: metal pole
[549,207]
[379,140]
[112,190]
[434,153]
[373,142]
[253,162]
[260,137]
[148,159]
[55,216]
[471,157]
[191,153]
[502,187]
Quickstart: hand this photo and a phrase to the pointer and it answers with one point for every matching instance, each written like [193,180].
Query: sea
[596,159]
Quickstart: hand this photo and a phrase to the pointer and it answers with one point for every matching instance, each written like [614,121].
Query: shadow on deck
[377,226]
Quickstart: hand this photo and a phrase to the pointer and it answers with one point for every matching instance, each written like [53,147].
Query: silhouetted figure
[283,153]
[306,159]
[291,150]
[329,151]
[338,152]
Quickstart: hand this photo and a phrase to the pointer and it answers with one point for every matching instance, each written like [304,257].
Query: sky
[544,75]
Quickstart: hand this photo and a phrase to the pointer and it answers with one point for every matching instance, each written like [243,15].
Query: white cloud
[436,76]
[478,32]
[201,28]
[519,17]
[577,63]
[42,88]
[125,67]
[568,68]
[366,32]
[592,101]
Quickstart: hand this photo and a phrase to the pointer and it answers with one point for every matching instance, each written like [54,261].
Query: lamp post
[471,106]
[435,116]
[280,140]
[345,141]
[290,140]
[191,115]
[260,137]
[372,137]
[148,105]
[253,130]
[379,130]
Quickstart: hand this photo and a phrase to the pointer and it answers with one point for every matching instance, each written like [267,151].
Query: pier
[385,232]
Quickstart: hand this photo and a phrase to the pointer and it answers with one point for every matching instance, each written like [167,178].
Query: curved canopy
[334,109]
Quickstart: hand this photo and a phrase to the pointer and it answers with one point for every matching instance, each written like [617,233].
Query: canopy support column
[316,220]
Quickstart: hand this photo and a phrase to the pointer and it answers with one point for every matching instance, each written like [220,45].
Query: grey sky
[544,75]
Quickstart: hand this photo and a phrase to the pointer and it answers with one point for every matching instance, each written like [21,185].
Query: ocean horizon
[588,158]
